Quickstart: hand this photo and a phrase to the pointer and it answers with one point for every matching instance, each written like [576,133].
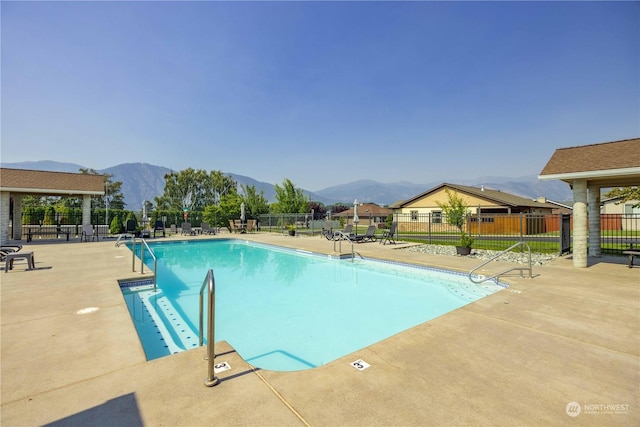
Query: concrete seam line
[280,396]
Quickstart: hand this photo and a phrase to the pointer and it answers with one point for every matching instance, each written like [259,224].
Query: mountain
[369,191]
[142,181]
[45,165]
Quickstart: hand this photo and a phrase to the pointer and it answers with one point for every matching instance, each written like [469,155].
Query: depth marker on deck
[360,365]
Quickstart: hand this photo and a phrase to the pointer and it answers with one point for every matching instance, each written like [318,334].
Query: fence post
[521,231]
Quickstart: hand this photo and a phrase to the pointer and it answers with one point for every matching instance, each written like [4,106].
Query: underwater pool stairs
[560,348]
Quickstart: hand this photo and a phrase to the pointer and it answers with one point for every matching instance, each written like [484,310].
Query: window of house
[436,217]
[414,215]
[629,209]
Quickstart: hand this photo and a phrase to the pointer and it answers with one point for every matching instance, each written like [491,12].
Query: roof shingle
[596,157]
[33,181]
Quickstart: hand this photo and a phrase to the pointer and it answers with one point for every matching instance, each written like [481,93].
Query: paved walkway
[71,356]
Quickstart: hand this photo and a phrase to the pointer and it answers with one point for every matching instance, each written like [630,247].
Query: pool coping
[567,335]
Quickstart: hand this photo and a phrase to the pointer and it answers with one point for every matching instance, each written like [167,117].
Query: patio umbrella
[242,215]
[356,220]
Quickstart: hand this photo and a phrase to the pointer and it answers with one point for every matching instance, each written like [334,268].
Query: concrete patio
[533,354]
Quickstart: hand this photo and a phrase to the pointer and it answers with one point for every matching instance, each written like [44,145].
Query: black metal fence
[489,231]
[499,231]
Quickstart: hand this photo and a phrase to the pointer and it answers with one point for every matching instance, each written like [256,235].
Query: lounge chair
[131,229]
[87,233]
[251,225]
[368,236]
[173,229]
[343,234]
[10,248]
[158,226]
[388,235]
[9,257]
[206,229]
[186,229]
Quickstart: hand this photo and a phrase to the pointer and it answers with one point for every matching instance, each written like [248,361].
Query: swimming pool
[286,310]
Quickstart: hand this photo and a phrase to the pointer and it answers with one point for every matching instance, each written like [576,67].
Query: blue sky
[321,93]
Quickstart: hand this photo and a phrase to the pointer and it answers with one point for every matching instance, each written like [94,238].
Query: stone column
[580,223]
[17,216]
[4,217]
[595,244]
[86,209]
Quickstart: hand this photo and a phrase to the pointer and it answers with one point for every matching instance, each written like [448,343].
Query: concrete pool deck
[71,356]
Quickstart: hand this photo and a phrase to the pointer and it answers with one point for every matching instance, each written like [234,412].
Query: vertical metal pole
[142,257]
[133,254]
[211,326]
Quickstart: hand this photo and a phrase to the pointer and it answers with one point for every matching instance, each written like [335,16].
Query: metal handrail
[342,236]
[495,276]
[133,260]
[210,284]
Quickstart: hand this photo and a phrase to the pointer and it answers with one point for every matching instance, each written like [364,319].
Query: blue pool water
[287,310]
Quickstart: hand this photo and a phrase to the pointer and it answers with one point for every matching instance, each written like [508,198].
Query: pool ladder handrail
[155,260]
[210,284]
[342,236]
[495,276]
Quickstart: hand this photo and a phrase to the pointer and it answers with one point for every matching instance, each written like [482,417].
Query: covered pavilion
[16,183]
[588,169]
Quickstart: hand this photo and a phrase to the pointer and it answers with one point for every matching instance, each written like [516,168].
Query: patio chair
[10,248]
[388,235]
[132,228]
[186,229]
[10,256]
[206,229]
[158,226]
[87,233]
[368,236]
[251,225]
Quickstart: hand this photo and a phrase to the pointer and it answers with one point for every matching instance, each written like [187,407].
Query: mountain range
[142,181]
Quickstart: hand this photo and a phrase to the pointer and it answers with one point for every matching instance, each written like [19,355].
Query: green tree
[289,199]
[255,203]
[456,213]
[49,216]
[220,185]
[227,209]
[194,189]
[626,194]
[116,226]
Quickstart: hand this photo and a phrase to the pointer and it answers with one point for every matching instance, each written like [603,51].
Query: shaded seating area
[389,235]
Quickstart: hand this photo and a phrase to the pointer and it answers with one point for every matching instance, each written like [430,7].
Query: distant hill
[142,181]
